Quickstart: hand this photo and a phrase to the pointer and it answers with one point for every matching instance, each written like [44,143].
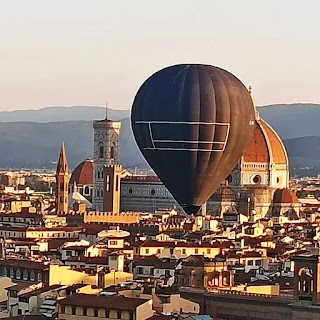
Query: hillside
[293,120]
[54,114]
[36,144]
[289,120]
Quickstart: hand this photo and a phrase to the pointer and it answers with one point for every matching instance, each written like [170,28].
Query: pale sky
[76,52]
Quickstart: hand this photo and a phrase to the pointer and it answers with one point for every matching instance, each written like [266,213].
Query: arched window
[98,174]
[32,276]
[11,272]
[101,193]
[39,277]
[98,193]
[101,152]
[226,281]
[112,151]
[61,199]
[86,190]
[25,275]
[18,274]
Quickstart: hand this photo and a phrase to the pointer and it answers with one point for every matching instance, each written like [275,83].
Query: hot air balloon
[192,123]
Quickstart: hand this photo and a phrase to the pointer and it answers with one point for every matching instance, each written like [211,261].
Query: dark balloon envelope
[192,123]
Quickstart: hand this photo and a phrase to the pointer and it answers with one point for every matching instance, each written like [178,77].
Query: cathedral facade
[263,169]
[145,194]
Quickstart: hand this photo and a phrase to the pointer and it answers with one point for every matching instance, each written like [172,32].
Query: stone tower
[105,152]
[307,277]
[62,182]
[111,198]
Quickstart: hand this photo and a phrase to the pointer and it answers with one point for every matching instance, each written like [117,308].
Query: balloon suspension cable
[106,109]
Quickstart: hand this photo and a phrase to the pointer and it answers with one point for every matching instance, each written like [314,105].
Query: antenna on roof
[106,109]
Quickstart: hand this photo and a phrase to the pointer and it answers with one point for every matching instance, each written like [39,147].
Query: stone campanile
[105,152]
[62,182]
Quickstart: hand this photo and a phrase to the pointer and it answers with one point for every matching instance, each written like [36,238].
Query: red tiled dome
[265,146]
[223,194]
[285,196]
[83,173]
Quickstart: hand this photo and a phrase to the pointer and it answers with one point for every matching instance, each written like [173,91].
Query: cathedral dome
[285,196]
[223,194]
[266,146]
[83,173]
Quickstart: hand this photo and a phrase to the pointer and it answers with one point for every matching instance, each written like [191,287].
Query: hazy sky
[74,52]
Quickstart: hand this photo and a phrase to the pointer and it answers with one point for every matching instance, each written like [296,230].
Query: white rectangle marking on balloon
[169,141]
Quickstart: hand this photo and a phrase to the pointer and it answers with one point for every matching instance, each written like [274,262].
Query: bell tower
[105,152]
[307,277]
[111,198]
[62,182]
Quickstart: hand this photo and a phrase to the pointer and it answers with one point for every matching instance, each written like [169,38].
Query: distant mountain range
[55,114]
[32,138]
[293,120]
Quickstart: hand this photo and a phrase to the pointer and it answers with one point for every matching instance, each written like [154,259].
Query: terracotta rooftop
[41,290]
[89,260]
[264,145]
[179,244]
[251,254]
[23,264]
[19,286]
[285,196]
[279,152]
[22,214]
[223,194]
[76,248]
[21,243]
[83,173]
[113,302]
[62,229]
[54,244]
[92,229]
[76,286]
[9,228]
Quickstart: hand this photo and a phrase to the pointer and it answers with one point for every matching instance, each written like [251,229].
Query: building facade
[262,170]
[230,305]
[111,195]
[82,306]
[145,194]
